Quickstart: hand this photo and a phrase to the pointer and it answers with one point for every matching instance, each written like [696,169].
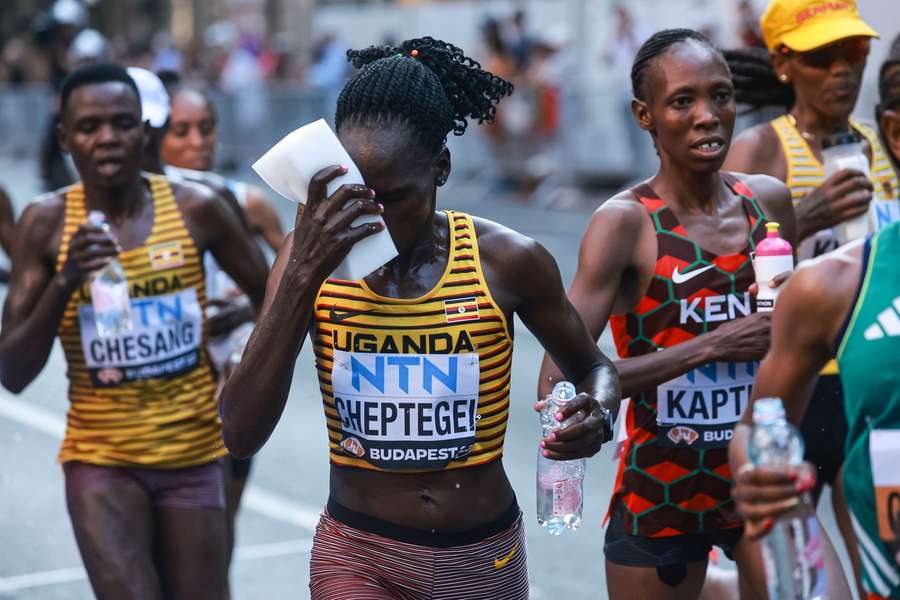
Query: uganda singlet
[674,477]
[416,384]
[869,359]
[805,173]
[143,398]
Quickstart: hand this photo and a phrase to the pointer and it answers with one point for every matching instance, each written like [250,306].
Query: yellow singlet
[144,398]
[418,384]
[805,173]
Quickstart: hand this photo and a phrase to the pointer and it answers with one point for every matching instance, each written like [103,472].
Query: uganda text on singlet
[143,398]
[673,476]
[417,384]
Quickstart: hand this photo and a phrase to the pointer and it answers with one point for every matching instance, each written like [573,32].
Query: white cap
[154,97]
[88,44]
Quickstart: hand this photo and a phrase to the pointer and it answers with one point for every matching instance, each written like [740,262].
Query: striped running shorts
[349,563]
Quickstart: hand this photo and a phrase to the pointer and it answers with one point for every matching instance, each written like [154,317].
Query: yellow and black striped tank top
[143,398]
[418,384]
[805,173]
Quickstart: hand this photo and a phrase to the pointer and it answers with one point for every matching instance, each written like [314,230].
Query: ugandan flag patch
[461,310]
[168,255]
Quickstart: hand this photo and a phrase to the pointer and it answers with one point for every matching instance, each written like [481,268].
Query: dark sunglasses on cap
[853,50]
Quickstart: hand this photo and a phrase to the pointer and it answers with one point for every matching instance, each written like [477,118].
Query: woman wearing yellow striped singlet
[414,360]
[817,54]
[142,451]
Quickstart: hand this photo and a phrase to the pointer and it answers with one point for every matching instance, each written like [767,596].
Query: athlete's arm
[218,230]
[7,222]
[254,396]
[262,217]
[810,310]
[609,262]
[37,297]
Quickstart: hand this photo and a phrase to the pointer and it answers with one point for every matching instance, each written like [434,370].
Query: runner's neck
[813,125]
[689,191]
[118,204]
[424,249]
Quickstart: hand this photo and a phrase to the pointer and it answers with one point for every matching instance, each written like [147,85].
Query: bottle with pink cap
[773,257]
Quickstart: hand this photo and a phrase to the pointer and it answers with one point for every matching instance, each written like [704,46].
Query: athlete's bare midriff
[449,501]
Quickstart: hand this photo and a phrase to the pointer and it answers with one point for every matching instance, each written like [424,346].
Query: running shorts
[202,486]
[824,428]
[358,557]
[677,550]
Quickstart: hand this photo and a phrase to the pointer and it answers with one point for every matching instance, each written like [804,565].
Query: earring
[783,78]
[441,181]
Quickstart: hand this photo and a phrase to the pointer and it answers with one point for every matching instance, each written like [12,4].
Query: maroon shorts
[349,562]
[202,486]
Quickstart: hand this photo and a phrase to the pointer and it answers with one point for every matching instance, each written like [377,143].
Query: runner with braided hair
[414,360]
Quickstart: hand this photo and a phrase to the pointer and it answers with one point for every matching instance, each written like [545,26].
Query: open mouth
[709,146]
[109,166]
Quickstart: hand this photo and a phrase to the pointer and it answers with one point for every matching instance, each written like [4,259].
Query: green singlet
[869,361]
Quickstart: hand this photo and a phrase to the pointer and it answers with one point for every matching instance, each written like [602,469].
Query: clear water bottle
[109,292]
[559,482]
[792,551]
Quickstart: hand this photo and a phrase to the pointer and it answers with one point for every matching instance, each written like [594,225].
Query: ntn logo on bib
[164,341]
[407,411]
[708,401]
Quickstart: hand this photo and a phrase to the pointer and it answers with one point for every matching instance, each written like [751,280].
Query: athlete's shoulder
[622,216]
[513,254]
[42,219]
[766,189]
[822,288]
[757,149]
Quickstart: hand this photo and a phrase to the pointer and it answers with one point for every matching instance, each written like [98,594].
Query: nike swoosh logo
[678,277]
[336,317]
[499,563]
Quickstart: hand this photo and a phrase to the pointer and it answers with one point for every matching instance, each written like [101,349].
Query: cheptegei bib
[700,408]
[404,411]
[164,340]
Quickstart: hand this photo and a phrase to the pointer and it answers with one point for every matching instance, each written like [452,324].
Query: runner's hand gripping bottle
[559,482]
[792,551]
[773,257]
[109,292]
[845,151]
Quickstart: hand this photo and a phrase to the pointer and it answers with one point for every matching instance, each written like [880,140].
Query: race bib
[884,212]
[164,340]
[406,411]
[884,450]
[700,408]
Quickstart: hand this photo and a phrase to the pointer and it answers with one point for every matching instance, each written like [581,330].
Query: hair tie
[414,54]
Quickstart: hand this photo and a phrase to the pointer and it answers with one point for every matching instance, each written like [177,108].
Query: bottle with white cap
[845,151]
[560,495]
[109,292]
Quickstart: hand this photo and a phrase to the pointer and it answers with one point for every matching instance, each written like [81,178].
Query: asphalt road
[288,486]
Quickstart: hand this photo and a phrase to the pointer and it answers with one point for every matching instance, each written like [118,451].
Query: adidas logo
[887,324]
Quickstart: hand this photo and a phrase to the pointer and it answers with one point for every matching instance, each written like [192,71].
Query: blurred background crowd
[272,65]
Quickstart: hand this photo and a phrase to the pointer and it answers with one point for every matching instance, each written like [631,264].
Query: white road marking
[257,499]
[56,576]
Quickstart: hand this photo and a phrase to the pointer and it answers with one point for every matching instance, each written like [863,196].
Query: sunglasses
[854,51]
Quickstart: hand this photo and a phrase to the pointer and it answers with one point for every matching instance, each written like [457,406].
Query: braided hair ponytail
[427,84]
[756,83]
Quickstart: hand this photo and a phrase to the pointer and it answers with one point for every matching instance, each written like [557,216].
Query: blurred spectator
[242,79]
[516,37]
[748,25]
[166,56]
[621,46]
[12,63]
[328,72]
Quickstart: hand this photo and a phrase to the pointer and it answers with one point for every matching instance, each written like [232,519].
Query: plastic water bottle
[559,482]
[792,551]
[109,292]
[773,256]
[845,151]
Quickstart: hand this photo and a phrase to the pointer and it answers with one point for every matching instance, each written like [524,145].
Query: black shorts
[677,550]
[824,429]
